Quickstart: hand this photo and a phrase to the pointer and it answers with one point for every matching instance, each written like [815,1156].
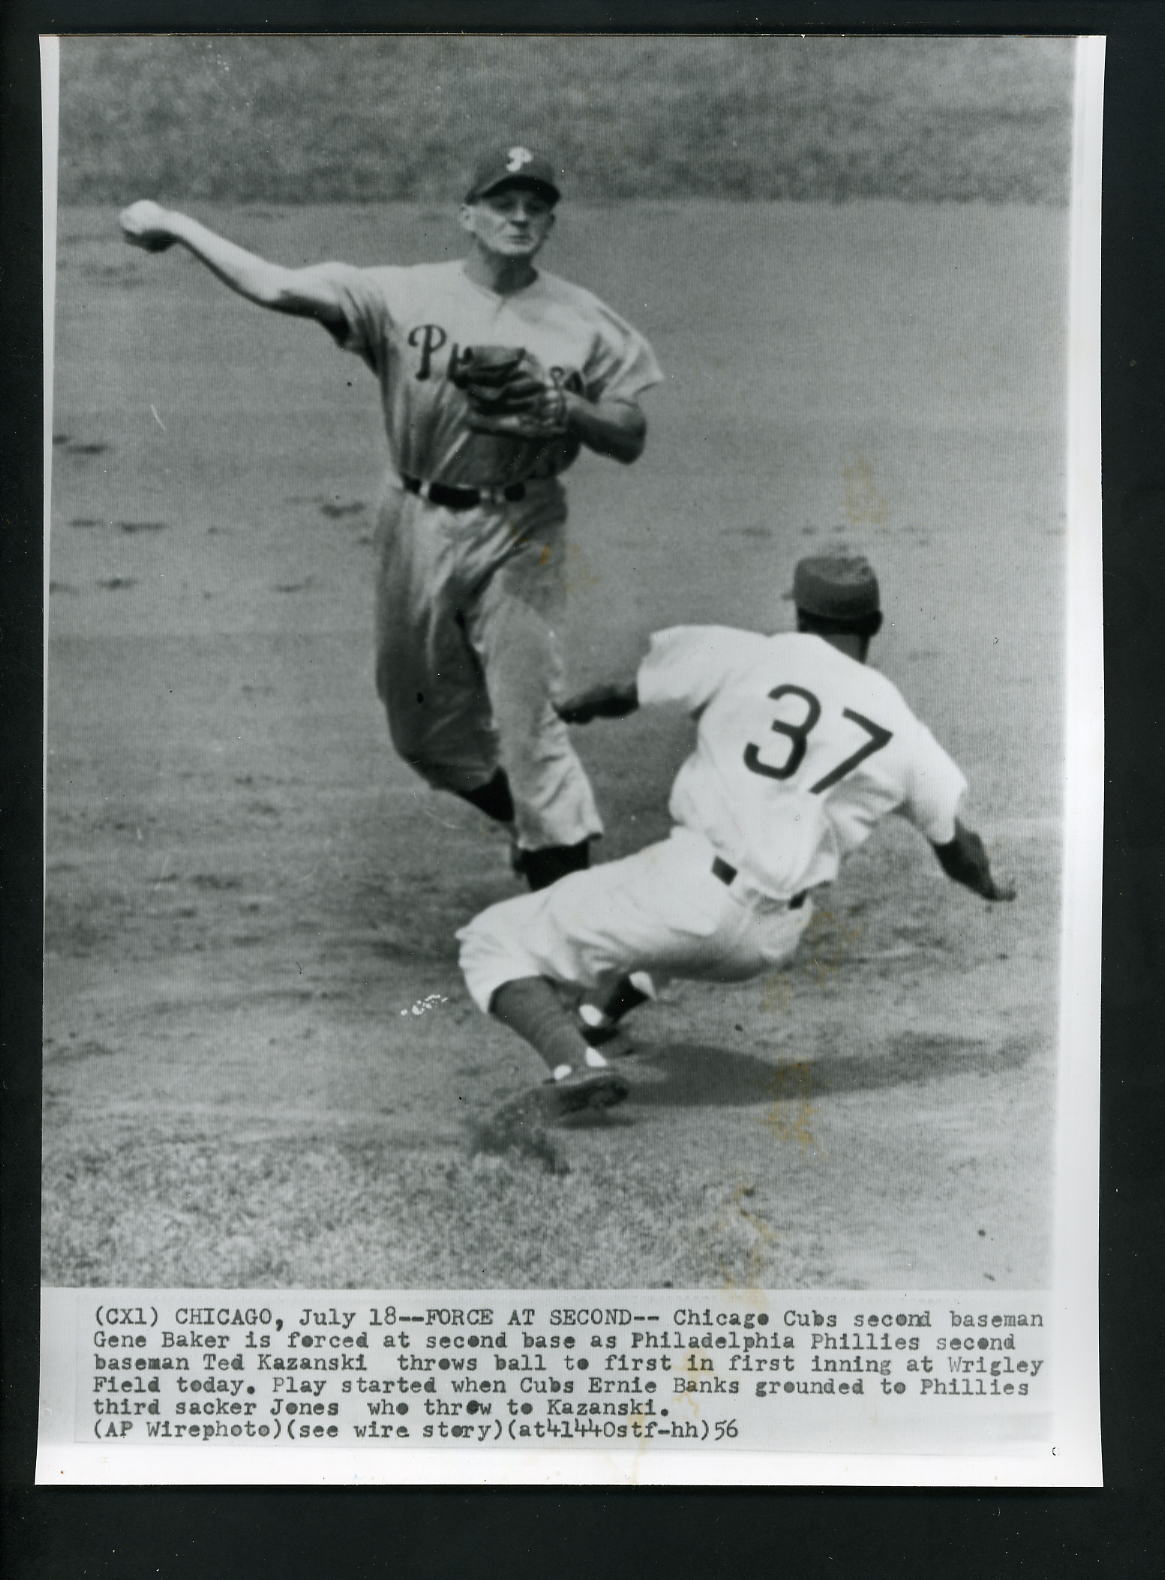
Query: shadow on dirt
[699,1076]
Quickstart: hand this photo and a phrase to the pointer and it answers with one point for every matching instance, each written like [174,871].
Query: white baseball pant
[661,911]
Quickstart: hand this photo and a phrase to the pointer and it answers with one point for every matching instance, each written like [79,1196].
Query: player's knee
[485,957]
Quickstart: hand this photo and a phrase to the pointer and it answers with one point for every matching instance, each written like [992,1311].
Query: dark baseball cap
[836,587]
[512,166]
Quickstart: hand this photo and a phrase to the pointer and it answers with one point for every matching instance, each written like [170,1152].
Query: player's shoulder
[449,271]
[874,682]
[883,698]
[837,670]
[364,279]
[446,275]
[564,290]
[412,276]
[579,300]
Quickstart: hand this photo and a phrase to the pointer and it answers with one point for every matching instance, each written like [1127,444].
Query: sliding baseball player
[800,750]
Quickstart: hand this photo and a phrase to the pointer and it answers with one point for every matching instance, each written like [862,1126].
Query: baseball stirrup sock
[543,867]
[609,1005]
[493,798]
[531,1007]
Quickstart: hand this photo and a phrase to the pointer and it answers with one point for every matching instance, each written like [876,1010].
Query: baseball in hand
[143,224]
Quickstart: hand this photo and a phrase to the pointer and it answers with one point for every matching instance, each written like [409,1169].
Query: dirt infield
[261,1067]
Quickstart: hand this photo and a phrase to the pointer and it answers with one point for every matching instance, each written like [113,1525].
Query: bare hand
[143,224]
[1001,889]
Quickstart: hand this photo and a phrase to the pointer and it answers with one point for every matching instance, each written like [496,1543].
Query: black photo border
[800,1531]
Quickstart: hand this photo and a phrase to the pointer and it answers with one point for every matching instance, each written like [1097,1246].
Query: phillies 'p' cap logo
[517,157]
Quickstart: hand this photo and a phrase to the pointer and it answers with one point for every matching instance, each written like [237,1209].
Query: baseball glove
[510,393]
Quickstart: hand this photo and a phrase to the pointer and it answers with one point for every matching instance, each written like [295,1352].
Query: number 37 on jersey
[781,759]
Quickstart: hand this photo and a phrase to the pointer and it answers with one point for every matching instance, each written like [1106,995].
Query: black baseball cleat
[583,1091]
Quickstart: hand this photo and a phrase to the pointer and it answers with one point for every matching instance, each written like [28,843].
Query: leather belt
[726,872]
[462,498]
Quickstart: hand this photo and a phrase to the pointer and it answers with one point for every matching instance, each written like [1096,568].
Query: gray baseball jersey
[469,600]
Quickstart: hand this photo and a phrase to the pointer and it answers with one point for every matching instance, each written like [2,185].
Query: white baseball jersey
[799,752]
[410,323]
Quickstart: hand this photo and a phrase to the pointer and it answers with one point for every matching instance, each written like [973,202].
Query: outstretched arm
[306,293]
[612,700]
[965,860]
[616,428]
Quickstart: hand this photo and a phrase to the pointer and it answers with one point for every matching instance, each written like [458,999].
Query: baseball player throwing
[492,374]
[800,750]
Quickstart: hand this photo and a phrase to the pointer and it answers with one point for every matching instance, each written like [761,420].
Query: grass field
[261,1068]
[337,119]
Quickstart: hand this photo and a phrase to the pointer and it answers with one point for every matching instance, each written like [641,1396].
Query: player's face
[510,223]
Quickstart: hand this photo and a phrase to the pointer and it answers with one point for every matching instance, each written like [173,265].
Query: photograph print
[524,513]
